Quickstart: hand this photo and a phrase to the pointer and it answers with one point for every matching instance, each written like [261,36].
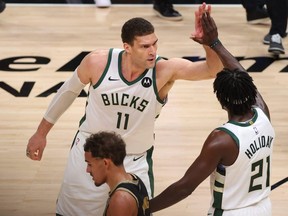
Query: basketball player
[104,154]
[237,155]
[128,88]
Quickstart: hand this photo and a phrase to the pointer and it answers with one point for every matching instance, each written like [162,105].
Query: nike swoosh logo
[112,79]
[137,158]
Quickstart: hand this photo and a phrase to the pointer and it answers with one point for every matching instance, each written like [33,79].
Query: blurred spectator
[278,14]
[2,6]
[165,10]
[99,3]
[256,11]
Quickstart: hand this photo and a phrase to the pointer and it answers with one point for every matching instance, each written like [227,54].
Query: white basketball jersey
[247,181]
[128,108]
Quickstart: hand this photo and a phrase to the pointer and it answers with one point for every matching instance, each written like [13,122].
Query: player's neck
[117,176]
[241,118]
[130,70]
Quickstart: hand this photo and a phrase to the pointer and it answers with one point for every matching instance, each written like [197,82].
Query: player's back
[246,182]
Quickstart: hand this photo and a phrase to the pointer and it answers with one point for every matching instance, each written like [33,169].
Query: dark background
[128,1]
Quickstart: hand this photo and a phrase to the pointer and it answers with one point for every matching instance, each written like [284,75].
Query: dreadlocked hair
[235,90]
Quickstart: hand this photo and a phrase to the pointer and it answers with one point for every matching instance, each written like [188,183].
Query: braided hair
[235,91]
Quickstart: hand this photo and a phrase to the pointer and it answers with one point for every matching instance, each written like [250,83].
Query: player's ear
[127,47]
[107,162]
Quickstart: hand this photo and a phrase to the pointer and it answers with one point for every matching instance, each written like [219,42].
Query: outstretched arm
[212,59]
[227,59]
[209,37]
[183,69]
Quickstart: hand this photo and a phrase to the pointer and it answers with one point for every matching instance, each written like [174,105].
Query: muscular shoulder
[92,66]
[122,203]
[165,71]
[165,67]
[98,57]
[222,144]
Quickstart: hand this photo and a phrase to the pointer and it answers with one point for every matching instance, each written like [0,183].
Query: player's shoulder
[123,197]
[163,64]
[96,54]
[93,64]
[219,136]
[96,57]
[122,203]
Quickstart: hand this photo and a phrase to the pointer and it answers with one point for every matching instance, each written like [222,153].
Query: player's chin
[97,184]
[151,63]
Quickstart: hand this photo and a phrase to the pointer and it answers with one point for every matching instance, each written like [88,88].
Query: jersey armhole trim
[106,68]
[155,84]
[231,134]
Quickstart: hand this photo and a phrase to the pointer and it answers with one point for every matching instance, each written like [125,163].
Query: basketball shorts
[262,208]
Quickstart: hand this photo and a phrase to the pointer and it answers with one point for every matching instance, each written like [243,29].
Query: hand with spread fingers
[198,33]
[206,32]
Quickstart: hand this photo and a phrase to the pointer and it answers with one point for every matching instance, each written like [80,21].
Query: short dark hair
[235,90]
[135,27]
[106,144]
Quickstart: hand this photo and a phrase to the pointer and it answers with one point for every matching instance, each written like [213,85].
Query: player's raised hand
[198,33]
[210,32]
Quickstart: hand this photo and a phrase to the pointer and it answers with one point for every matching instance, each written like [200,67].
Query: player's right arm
[64,97]
[89,70]
[227,59]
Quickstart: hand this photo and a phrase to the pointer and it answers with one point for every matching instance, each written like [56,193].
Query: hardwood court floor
[58,34]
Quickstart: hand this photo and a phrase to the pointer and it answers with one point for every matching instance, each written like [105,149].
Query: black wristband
[215,43]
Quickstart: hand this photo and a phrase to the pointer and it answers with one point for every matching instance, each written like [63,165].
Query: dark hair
[106,145]
[135,27]
[235,90]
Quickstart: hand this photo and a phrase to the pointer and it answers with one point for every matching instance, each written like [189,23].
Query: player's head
[108,145]
[135,27]
[104,151]
[235,91]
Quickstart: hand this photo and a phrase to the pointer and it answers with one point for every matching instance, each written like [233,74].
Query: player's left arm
[200,70]
[183,69]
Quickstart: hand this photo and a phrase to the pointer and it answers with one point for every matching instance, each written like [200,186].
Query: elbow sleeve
[64,97]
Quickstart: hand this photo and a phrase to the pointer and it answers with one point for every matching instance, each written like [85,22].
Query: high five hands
[206,32]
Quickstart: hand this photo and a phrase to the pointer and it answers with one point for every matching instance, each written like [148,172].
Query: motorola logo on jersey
[146,82]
